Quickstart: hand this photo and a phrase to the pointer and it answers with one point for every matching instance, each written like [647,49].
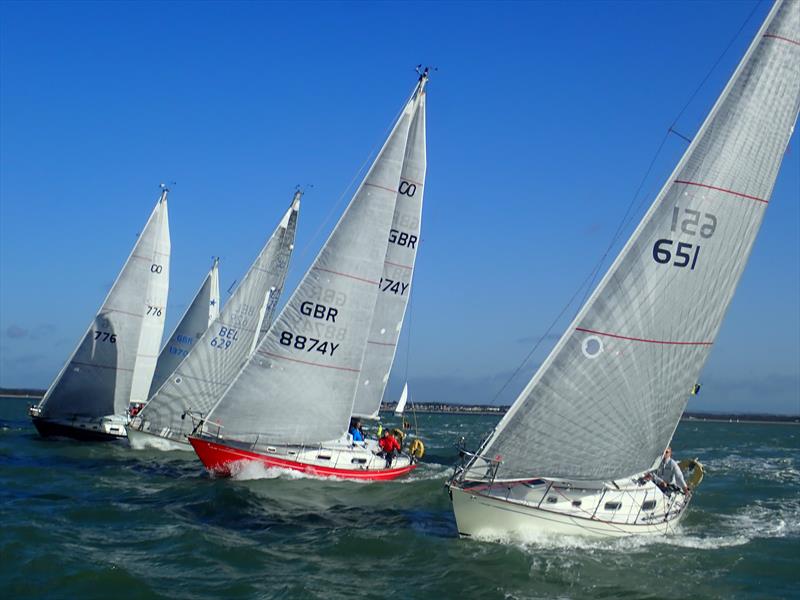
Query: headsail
[298,387]
[607,400]
[398,269]
[221,352]
[201,312]
[98,377]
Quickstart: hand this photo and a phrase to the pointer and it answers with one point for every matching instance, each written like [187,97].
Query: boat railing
[470,459]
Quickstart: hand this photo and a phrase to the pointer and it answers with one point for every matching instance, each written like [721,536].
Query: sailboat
[202,311]
[572,453]
[114,362]
[401,404]
[219,353]
[290,406]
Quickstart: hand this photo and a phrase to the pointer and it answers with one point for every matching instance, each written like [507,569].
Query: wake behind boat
[113,364]
[574,453]
[290,405]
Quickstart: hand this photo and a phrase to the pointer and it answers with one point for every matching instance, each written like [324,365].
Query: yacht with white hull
[572,453]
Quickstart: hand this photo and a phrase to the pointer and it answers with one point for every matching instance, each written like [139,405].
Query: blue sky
[542,120]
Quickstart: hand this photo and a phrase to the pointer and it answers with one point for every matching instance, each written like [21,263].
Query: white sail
[401,404]
[200,314]
[97,379]
[298,387]
[155,315]
[606,401]
[394,287]
[222,350]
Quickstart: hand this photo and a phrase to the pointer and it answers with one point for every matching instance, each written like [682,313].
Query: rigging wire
[630,212]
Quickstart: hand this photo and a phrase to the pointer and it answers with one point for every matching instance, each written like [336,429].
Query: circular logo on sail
[592,346]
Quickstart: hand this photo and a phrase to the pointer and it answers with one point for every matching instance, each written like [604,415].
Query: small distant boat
[223,349]
[202,311]
[571,454]
[401,404]
[114,362]
[290,405]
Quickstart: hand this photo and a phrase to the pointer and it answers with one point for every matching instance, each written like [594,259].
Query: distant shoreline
[441,408]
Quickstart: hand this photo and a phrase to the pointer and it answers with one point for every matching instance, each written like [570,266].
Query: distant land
[483,409]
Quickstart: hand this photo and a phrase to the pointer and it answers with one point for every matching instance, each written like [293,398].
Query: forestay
[97,379]
[607,400]
[200,314]
[299,385]
[394,286]
[222,350]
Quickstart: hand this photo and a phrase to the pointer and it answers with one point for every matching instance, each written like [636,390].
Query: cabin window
[323,457]
[552,499]
[648,505]
[576,503]
[271,449]
[613,505]
[359,461]
[292,452]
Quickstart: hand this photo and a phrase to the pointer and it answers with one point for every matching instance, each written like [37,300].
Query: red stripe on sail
[719,189]
[348,276]
[779,37]
[634,339]
[308,362]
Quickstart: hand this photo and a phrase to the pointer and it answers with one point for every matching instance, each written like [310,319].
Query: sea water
[98,520]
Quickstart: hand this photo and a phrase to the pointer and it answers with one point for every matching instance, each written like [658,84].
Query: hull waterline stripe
[719,189]
[308,362]
[648,341]
[783,39]
[346,275]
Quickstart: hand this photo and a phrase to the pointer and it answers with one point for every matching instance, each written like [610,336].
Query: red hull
[218,458]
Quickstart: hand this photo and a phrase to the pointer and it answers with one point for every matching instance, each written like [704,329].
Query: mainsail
[97,379]
[299,385]
[398,269]
[222,350]
[200,314]
[608,398]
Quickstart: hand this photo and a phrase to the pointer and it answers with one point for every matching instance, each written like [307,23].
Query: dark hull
[48,428]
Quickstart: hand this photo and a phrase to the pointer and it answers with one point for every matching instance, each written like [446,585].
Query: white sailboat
[290,405]
[219,354]
[570,455]
[202,311]
[89,398]
[401,404]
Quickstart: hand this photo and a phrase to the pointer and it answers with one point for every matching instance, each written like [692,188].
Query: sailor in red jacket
[389,445]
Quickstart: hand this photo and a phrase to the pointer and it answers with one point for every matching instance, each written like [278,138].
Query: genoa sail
[99,377]
[394,287]
[299,385]
[200,314]
[608,398]
[222,350]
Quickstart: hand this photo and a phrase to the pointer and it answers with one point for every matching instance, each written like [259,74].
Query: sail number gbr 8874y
[685,253]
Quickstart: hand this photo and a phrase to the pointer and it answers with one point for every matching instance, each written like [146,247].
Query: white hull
[140,440]
[527,510]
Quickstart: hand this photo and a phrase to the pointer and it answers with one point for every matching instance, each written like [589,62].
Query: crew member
[389,446]
[355,430]
[668,473]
